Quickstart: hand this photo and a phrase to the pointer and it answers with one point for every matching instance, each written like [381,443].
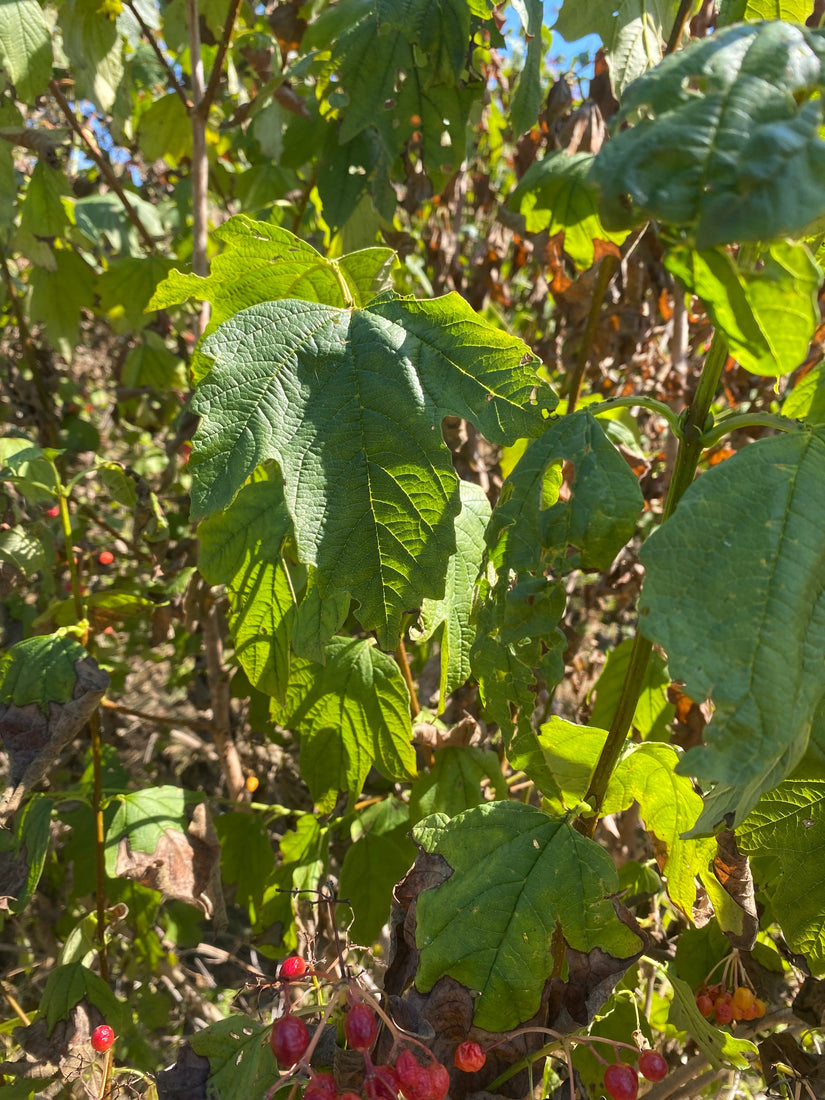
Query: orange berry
[743,997]
[761,1008]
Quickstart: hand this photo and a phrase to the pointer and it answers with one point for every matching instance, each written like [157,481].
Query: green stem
[100,845]
[691,444]
[737,421]
[649,403]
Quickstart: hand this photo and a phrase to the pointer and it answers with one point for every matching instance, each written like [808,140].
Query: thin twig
[171,75]
[404,665]
[219,695]
[205,102]
[106,171]
[682,16]
[199,724]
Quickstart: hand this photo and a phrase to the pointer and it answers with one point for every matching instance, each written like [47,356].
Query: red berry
[621,1081]
[289,1039]
[350,1096]
[54,511]
[106,557]
[294,966]
[652,1065]
[102,1038]
[380,1084]
[439,1081]
[360,1027]
[323,1083]
[469,1057]
[723,1009]
[705,1005]
[413,1079]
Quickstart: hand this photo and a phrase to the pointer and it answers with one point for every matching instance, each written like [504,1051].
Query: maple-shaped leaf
[735,594]
[727,142]
[669,807]
[349,404]
[524,871]
[351,713]
[240,1058]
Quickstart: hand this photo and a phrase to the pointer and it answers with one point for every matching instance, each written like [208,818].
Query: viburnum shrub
[455,415]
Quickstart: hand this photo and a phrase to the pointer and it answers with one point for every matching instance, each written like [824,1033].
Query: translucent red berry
[102,1038]
[621,1081]
[380,1084]
[439,1081]
[289,1039]
[652,1065]
[360,1027]
[293,967]
[469,1057]
[321,1086]
[54,511]
[705,1005]
[106,557]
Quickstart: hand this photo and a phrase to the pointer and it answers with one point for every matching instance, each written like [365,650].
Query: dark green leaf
[454,782]
[727,140]
[66,985]
[527,871]
[41,669]
[526,101]
[240,1057]
[745,541]
[653,713]
[58,297]
[349,404]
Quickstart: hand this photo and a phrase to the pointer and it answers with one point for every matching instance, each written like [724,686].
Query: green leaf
[247,858]
[784,836]
[380,856]
[527,871]
[559,759]
[103,218]
[58,297]
[42,212]
[806,401]
[727,141]
[353,712]
[94,46]
[240,1057]
[69,984]
[151,363]
[653,713]
[527,97]
[598,518]
[41,669]
[745,538]
[669,807]
[142,817]
[768,317]
[24,550]
[633,33]
[24,852]
[453,783]
[349,404]
[128,283]
[556,194]
[453,611]
[165,131]
[262,263]
[795,11]
[242,547]
[717,1045]
[25,47]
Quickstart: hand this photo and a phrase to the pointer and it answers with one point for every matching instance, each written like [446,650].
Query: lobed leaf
[727,139]
[735,593]
[349,405]
[526,871]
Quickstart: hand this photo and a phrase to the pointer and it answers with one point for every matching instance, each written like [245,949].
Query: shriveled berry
[360,1027]
[621,1081]
[469,1057]
[289,1039]
[439,1081]
[293,967]
[102,1038]
[652,1065]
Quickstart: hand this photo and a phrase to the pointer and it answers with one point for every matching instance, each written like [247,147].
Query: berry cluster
[621,1081]
[404,1075]
[728,1006]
